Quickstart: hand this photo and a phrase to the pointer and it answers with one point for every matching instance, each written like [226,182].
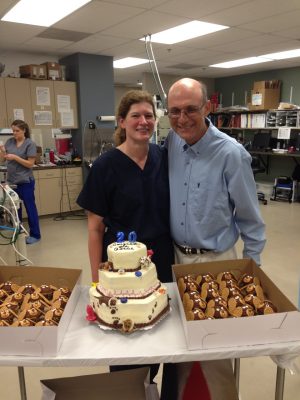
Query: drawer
[50,173]
[73,171]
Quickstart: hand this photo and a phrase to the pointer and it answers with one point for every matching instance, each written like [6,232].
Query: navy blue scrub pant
[26,193]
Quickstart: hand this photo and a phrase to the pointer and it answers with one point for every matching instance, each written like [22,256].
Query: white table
[85,344]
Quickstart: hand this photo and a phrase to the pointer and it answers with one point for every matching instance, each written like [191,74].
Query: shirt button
[182,223]
[185,184]
[183,204]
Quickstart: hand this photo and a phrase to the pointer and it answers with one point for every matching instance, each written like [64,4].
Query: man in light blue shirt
[213,202]
[212,188]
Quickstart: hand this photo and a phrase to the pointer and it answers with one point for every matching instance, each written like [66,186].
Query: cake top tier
[126,255]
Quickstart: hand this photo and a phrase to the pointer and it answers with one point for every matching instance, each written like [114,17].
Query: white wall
[13,60]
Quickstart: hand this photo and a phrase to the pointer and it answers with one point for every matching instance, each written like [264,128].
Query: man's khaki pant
[218,374]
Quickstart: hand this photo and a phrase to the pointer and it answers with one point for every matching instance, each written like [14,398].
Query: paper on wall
[42,96]
[19,113]
[67,118]
[63,103]
[43,117]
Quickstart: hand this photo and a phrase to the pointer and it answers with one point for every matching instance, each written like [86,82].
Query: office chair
[283,189]
[258,168]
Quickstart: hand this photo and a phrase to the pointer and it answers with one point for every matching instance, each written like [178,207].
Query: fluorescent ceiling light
[186,31]
[283,54]
[129,62]
[42,12]
[241,62]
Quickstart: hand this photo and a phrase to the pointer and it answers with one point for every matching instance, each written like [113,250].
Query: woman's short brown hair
[22,125]
[130,98]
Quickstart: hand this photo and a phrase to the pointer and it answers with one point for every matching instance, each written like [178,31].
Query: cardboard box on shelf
[33,71]
[126,385]
[53,71]
[265,95]
[230,332]
[39,340]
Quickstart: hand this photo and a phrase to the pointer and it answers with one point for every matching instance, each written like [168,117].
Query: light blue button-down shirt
[213,194]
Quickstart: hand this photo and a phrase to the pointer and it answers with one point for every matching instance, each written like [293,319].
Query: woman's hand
[11,157]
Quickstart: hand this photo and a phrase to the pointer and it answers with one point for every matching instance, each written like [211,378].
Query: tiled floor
[64,244]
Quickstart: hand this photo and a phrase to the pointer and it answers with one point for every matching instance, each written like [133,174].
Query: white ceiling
[113,27]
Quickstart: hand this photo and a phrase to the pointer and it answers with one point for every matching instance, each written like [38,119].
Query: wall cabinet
[3,112]
[17,95]
[41,103]
[54,103]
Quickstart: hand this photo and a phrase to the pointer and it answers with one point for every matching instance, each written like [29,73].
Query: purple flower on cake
[138,274]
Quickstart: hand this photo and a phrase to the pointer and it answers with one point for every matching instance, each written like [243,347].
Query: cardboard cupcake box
[39,340]
[284,326]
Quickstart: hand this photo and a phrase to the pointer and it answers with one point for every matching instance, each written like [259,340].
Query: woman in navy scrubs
[127,190]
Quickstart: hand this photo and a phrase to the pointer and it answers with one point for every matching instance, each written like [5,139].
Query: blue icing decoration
[120,237]
[132,236]
[138,273]
[123,300]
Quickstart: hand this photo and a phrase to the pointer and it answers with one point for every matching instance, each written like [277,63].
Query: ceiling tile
[149,22]
[97,16]
[42,43]
[271,24]
[252,11]
[195,9]
[95,44]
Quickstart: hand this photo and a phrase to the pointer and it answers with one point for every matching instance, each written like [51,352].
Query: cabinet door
[18,102]
[50,191]
[42,103]
[3,113]
[50,195]
[65,104]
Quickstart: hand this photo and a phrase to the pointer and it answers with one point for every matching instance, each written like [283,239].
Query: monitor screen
[261,141]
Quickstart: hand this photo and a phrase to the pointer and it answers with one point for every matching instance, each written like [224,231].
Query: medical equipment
[12,231]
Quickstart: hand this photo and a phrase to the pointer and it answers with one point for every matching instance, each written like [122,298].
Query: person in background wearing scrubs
[20,153]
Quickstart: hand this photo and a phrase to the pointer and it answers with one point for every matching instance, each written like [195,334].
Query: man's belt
[191,250]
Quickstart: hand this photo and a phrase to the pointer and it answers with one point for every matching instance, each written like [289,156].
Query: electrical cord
[70,215]
[154,70]
[17,228]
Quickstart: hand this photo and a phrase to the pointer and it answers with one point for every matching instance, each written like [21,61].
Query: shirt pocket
[208,201]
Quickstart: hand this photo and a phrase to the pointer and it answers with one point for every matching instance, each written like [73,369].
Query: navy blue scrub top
[131,199]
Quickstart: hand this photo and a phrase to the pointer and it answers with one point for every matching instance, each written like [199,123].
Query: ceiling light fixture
[241,62]
[42,12]
[187,31]
[128,62]
[283,54]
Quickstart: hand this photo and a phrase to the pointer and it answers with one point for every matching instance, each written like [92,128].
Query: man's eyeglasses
[189,111]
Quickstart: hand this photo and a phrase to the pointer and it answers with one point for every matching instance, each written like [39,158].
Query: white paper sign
[43,117]
[42,96]
[257,99]
[63,103]
[67,118]
[19,113]
[284,133]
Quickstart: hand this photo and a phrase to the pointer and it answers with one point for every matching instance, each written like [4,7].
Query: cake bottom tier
[128,315]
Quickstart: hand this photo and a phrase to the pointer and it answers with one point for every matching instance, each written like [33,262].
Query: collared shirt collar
[199,146]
